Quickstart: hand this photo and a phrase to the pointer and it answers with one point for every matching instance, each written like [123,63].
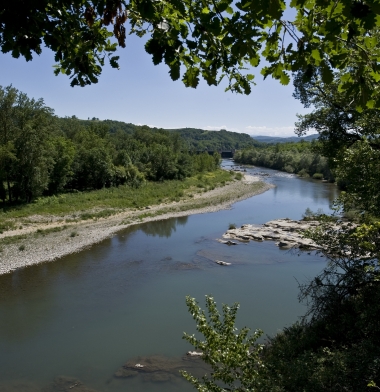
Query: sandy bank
[39,243]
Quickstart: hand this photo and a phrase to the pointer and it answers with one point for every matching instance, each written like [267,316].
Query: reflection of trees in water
[163,228]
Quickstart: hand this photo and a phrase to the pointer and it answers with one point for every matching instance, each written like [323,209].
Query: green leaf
[375,76]
[229,10]
[315,54]
[175,70]
[191,77]
[371,104]
[154,48]
[114,61]
[284,78]
[327,74]
[254,61]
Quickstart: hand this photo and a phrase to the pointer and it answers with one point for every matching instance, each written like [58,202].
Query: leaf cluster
[233,355]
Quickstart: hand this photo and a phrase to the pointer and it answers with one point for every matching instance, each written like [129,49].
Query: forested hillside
[194,139]
[277,139]
[41,154]
[199,139]
[302,158]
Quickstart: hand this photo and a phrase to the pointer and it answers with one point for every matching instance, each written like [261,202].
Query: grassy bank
[48,231]
[109,201]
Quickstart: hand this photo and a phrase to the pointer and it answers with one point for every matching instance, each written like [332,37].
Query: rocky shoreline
[151,368]
[37,243]
[288,233]
[159,368]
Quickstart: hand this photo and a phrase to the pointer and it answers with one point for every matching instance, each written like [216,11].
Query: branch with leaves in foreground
[233,355]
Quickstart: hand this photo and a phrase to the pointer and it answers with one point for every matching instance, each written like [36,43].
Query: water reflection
[164,227]
[293,191]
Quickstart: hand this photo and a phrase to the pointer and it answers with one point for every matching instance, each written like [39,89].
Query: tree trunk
[9,191]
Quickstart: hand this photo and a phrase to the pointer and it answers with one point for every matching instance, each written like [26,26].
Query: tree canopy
[41,154]
[211,39]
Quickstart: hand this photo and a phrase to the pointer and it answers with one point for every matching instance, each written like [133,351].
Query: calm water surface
[87,314]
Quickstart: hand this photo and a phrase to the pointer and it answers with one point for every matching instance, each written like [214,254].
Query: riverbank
[42,242]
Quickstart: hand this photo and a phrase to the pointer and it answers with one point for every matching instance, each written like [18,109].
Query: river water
[88,313]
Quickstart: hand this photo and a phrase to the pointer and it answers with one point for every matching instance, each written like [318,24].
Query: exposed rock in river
[194,353]
[287,232]
[220,262]
[227,242]
[160,368]
[67,384]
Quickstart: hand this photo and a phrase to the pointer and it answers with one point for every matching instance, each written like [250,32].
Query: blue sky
[141,93]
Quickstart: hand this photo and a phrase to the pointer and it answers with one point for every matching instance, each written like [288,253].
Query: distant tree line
[197,139]
[41,154]
[301,158]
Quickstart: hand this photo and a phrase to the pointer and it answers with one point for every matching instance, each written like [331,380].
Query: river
[88,313]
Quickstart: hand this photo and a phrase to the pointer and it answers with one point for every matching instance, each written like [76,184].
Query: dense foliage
[43,154]
[350,138]
[301,158]
[210,38]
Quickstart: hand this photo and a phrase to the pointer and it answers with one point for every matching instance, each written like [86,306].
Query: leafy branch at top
[212,39]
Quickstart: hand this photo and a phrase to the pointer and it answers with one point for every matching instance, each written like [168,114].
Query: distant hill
[275,139]
[194,138]
[199,139]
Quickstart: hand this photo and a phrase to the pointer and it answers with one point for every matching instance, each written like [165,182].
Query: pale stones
[288,233]
[220,262]
[159,368]
[227,242]
[194,353]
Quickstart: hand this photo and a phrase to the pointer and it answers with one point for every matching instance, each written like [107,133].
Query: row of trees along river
[302,158]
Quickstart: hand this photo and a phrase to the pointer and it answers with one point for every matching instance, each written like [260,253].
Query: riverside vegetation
[302,158]
[105,202]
